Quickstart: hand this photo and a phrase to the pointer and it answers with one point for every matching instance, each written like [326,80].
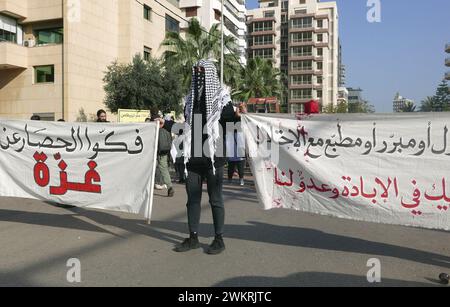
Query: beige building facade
[208,13]
[54,53]
[302,38]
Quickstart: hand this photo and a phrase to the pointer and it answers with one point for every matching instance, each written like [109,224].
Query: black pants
[232,165]
[179,167]
[194,184]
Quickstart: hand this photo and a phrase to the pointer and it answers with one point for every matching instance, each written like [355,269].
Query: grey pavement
[264,248]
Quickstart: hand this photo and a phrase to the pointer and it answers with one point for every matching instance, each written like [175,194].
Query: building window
[49,36]
[191,11]
[301,94]
[147,53]
[302,23]
[319,93]
[147,13]
[263,53]
[320,37]
[269,14]
[263,26]
[263,40]
[301,65]
[320,23]
[319,65]
[172,25]
[301,51]
[319,79]
[301,37]
[300,12]
[319,51]
[301,79]
[44,74]
[8,29]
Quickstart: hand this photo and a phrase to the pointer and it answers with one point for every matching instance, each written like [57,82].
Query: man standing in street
[164,147]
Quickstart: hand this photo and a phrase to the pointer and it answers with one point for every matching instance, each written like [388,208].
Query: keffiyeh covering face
[215,99]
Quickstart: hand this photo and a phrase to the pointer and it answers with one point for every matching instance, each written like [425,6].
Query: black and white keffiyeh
[216,98]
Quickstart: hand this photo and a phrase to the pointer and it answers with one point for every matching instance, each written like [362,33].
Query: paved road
[264,248]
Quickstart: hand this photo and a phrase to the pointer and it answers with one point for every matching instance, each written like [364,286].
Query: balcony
[447,75]
[13,56]
[301,57]
[296,71]
[305,29]
[322,16]
[301,43]
[447,62]
[294,86]
[298,16]
[300,100]
[268,46]
[190,3]
[268,32]
[447,48]
[14,8]
[252,20]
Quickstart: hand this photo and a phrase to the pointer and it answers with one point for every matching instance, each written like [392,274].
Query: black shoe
[187,245]
[216,247]
[171,192]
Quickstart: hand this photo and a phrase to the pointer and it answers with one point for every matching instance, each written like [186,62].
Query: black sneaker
[171,192]
[187,245]
[216,247]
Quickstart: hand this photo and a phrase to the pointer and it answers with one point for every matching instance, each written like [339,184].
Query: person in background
[101,116]
[159,185]
[235,144]
[164,147]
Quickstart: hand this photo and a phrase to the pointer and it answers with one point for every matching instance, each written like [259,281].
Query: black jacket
[227,116]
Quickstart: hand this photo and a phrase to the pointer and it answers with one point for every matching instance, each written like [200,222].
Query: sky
[402,53]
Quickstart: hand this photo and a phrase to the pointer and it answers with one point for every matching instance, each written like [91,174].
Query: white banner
[392,169]
[90,165]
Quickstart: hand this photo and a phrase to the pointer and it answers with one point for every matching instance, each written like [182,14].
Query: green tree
[442,97]
[361,107]
[259,79]
[408,107]
[182,53]
[342,107]
[428,104]
[142,85]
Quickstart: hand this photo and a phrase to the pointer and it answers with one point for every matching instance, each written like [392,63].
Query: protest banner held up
[379,168]
[90,165]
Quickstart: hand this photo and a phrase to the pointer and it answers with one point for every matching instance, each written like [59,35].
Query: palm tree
[199,44]
[259,79]
[408,107]
[428,104]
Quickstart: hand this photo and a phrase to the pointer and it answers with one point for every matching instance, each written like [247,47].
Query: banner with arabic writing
[91,165]
[392,169]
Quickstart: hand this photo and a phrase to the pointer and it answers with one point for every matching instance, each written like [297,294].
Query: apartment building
[302,39]
[400,102]
[208,12]
[53,53]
